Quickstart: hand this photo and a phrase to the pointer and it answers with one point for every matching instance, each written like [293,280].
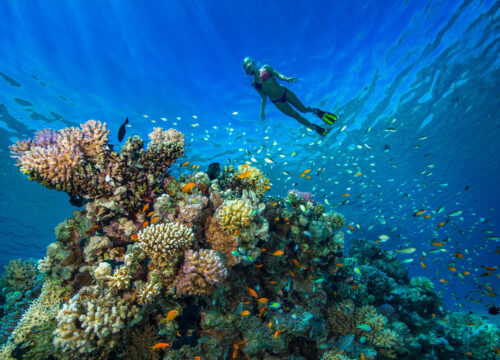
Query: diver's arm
[263,106]
[278,75]
[262,103]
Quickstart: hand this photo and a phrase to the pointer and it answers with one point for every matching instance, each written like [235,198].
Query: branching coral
[90,319]
[200,272]
[161,242]
[19,275]
[234,215]
[40,312]
[54,156]
[147,292]
[120,279]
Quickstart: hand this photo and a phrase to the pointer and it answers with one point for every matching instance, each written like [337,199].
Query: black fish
[213,170]
[121,131]
[494,310]
[77,201]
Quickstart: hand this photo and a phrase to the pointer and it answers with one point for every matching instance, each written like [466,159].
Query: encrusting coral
[209,267]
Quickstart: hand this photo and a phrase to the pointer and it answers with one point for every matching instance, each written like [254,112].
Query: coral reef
[161,267]
[201,270]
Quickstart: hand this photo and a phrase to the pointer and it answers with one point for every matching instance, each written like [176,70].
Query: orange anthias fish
[262,300]
[253,292]
[172,314]
[419,212]
[458,255]
[277,333]
[134,237]
[351,227]
[452,268]
[427,216]
[423,265]
[155,219]
[150,213]
[188,187]
[345,195]
[244,175]
[437,243]
[278,253]
[186,163]
[245,313]
[359,174]
[145,208]
[160,346]
[305,172]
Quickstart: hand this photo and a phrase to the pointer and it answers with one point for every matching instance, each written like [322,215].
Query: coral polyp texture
[161,242]
[155,266]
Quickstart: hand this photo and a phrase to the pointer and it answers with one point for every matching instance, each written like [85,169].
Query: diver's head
[249,66]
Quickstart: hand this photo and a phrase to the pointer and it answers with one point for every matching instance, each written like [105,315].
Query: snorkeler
[266,85]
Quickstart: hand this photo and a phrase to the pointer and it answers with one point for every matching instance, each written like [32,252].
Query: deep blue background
[424,69]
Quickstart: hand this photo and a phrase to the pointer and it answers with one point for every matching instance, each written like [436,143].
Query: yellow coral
[234,215]
[254,177]
[162,242]
[147,293]
[119,280]
[43,309]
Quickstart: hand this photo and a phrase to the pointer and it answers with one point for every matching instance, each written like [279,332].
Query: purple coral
[306,196]
[201,271]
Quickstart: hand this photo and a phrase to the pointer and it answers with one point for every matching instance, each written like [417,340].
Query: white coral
[163,241]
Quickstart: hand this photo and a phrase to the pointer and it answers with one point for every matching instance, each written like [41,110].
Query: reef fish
[244,175]
[277,253]
[188,187]
[407,250]
[344,343]
[418,212]
[160,346]
[171,315]
[213,170]
[121,130]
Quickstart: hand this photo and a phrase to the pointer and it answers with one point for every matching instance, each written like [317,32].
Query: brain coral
[234,215]
[163,241]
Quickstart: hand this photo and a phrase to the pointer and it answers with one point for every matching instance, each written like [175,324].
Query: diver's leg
[294,100]
[287,110]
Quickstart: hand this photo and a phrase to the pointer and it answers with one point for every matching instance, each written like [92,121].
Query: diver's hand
[262,115]
[292,79]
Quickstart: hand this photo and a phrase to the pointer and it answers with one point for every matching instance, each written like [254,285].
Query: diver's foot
[322,131]
[315,111]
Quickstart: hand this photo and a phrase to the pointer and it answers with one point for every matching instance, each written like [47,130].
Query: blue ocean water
[415,84]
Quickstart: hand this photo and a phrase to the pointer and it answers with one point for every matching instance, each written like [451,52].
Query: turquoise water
[415,85]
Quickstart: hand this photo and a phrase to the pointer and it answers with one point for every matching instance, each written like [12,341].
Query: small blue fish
[307,233]
[275,305]
[362,340]
[320,280]
[357,270]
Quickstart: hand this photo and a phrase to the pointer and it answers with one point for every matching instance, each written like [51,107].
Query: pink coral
[55,155]
[201,271]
